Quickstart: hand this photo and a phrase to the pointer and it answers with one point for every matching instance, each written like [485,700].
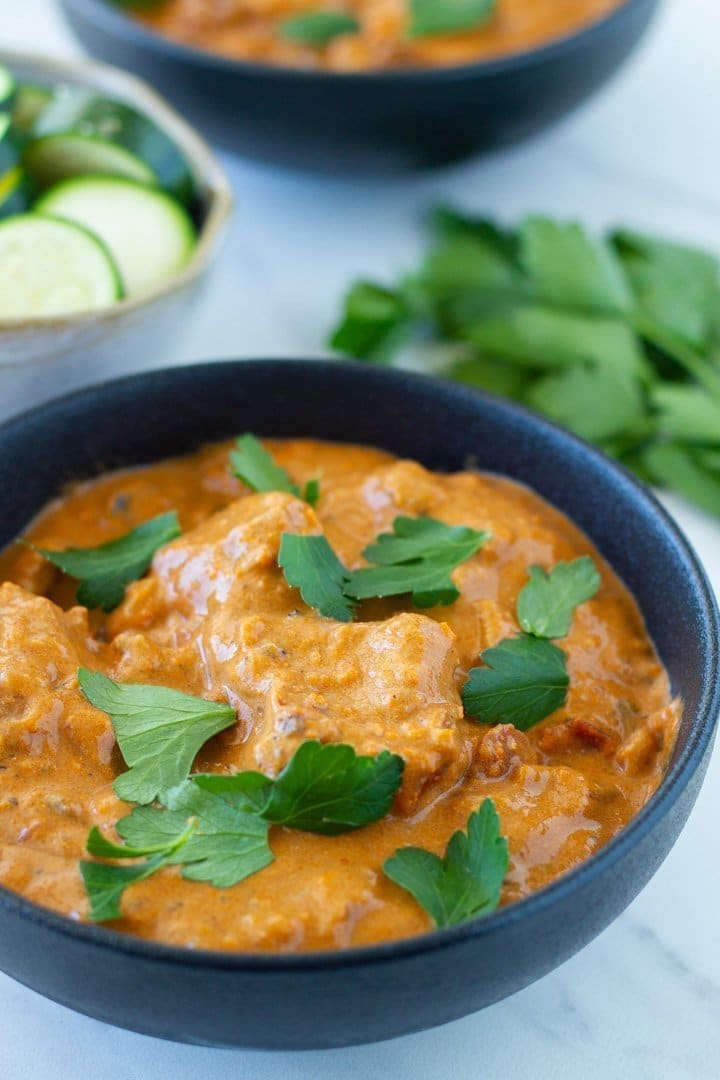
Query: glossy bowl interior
[371,121]
[361,995]
[41,358]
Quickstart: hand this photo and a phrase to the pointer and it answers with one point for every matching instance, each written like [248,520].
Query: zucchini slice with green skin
[50,267]
[59,157]
[7,84]
[150,235]
[76,111]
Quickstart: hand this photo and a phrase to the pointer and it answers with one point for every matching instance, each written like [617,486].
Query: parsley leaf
[416,538]
[417,558]
[448,16]
[524,680]
[310,565]
[318,27]
[163,838]
[106,884]
[547,603]
[673,284]
[540,337]
[159,731]
[311,493]
[687,412]
[324,788]
[466,883]
[104,571]
[375,322]
[248,791]
[598,404]
[254,465]
[571,268]
[228,844]
[212,841]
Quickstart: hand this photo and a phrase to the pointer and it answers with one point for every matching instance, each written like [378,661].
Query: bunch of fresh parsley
[618,337]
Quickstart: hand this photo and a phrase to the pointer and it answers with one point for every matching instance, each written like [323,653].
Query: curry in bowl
[360,35]
[300,695]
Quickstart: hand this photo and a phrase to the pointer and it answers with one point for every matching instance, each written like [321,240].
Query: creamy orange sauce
[214,617]
[250,30]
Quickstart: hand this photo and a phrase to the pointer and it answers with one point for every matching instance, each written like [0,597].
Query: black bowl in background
[360,995]
[372,121]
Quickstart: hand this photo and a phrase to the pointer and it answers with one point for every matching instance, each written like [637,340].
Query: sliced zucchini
[28,104]
[7,84]
[50,267]
[78,111]
[150,235]
[58,157]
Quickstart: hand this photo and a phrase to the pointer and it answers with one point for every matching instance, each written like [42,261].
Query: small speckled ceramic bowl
[41,358]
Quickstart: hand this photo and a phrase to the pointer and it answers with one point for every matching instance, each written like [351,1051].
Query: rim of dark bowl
[671,787]
[112,20]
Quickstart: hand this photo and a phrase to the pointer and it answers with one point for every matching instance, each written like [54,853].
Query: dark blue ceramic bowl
[373,121]
[320,1000]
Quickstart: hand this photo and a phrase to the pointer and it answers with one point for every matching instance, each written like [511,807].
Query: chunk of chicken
[52,741]
[40,701]
[376,686]
[228,561]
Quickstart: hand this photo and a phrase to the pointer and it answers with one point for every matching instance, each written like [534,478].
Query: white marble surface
[643,1000]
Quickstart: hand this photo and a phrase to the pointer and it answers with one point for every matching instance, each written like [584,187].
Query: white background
[643,1000]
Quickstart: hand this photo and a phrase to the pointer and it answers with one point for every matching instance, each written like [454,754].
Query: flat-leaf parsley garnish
[104,571]
[212,840]
[324,788]
[547,603]
[216,826]
[429,17]
[105,884]
[524,680]
[310,565]
[255,466]
[416,558]
[227,845]
[318,27]
[466,883]
[159,731]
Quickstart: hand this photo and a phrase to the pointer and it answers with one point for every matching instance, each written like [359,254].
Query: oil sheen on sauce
[214,617]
